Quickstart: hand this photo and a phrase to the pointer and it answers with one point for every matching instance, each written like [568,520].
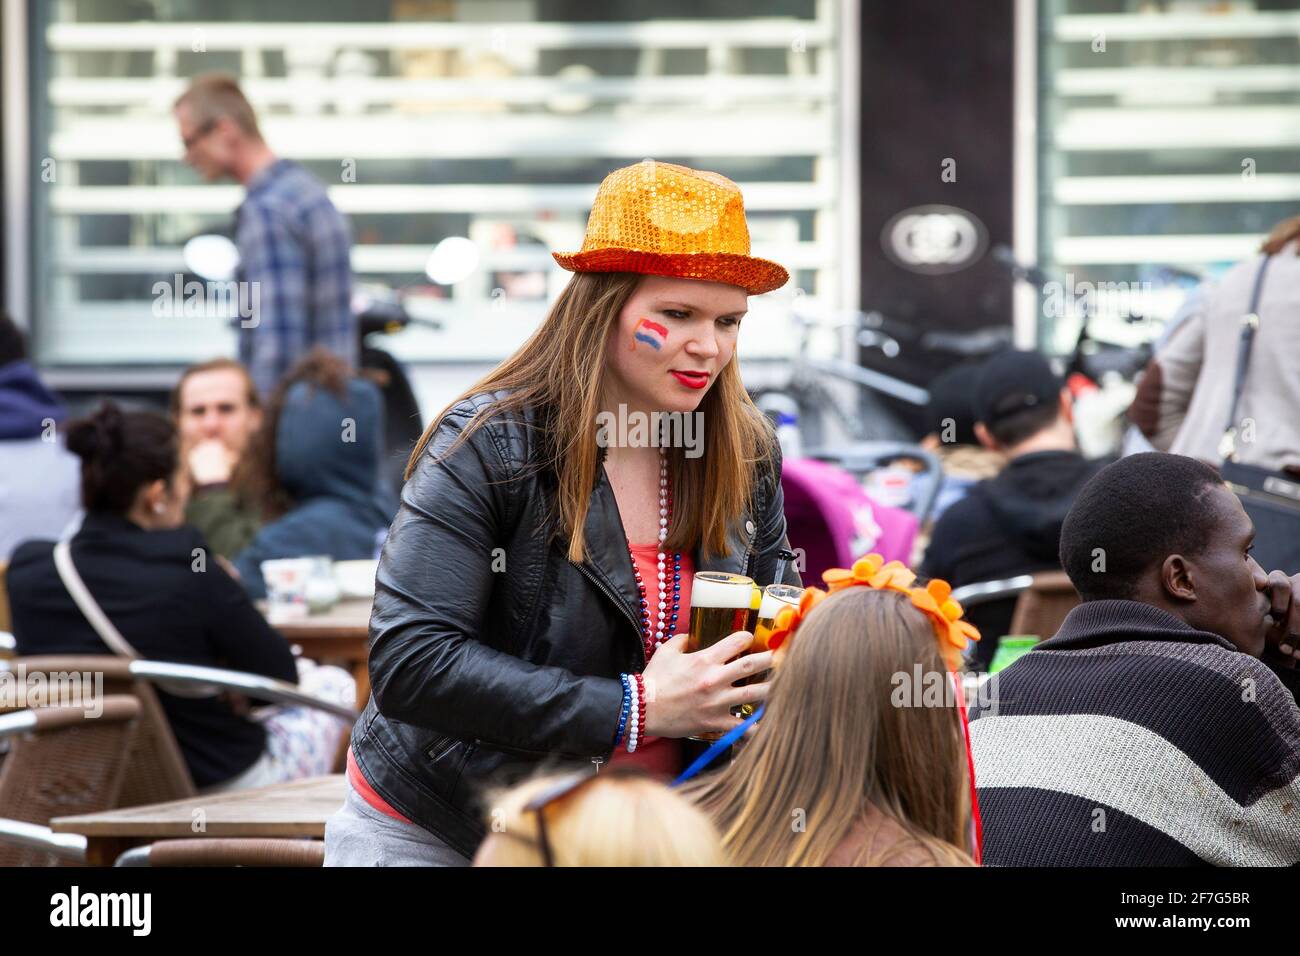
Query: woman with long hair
[861,756]
[322,480]
[540,565]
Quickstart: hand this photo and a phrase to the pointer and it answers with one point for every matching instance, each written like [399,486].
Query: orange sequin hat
[666,220]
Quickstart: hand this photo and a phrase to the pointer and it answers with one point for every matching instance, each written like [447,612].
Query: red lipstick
[692,379]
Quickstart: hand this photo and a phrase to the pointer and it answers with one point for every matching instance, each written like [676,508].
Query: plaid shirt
[296,246]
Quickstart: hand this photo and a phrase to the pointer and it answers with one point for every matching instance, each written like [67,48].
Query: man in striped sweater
[1148,731]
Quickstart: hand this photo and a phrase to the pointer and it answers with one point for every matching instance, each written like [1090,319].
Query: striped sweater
[1132,739]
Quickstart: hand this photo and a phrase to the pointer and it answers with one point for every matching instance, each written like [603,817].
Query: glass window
[1170,140]
[493,119]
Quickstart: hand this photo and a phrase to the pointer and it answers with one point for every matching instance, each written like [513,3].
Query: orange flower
[871,571]
[945,617]
[934,601]
[788,619]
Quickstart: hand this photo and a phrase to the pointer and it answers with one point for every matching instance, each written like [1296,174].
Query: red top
[362,786]
[657,755]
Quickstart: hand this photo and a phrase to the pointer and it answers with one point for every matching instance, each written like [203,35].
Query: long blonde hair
[614,820]
[833,745]
[561,371]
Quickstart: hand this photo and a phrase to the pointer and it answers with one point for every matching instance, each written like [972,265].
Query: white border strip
[15,162]
[850,167]
[1024,196]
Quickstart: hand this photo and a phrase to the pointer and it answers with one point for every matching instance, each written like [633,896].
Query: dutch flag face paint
[651,333]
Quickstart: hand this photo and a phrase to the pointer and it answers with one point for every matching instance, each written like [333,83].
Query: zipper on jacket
[435,754]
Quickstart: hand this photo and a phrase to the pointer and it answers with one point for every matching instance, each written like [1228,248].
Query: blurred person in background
[880,783]
[217,411]
[951,417]
[324,436]
[294,246]
[616,818]
[1185,399]
[1011,524]
[151,577]
[39,477]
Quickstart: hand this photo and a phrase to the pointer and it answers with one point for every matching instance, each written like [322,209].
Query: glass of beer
[721,605]
[775,597]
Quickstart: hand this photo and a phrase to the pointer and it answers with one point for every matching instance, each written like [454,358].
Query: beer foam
[771,604]
[767,610]
[735,592]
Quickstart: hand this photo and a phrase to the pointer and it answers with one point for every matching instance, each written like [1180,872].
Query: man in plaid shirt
[294,246]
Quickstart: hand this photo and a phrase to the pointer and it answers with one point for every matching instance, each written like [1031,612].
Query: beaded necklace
[666,624]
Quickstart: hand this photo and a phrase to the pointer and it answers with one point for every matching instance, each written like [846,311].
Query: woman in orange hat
[532,585]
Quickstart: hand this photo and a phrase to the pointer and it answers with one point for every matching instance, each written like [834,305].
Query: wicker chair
[1043,607]
[62,761]
[220,851]
[1042,602]
[157,772]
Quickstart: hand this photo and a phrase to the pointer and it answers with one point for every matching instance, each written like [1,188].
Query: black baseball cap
[951,400]
[1011,382]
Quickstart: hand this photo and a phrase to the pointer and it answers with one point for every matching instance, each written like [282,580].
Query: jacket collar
[1095,623]
[610,565]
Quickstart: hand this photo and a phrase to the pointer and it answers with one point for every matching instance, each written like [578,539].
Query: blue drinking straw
[706,758]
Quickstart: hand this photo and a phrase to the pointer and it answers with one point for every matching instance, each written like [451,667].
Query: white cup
[286,587]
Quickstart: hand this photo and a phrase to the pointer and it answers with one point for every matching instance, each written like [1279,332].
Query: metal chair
[63,760]
[1042,609]
[226,851]
[1044,599]
[157,772]
[983,592]
[64,847]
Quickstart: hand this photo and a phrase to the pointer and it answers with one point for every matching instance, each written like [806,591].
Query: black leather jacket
[489,650]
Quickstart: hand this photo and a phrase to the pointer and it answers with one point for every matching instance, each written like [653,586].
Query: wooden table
[339,636]
[296,809]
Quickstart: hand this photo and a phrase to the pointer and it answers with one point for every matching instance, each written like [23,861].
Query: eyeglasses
[567,787]
[203,130]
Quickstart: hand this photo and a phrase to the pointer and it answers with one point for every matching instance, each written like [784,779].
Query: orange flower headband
[933,600]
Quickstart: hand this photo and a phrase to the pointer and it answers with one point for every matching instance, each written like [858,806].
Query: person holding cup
[531,591]
[168,597]
[218,413]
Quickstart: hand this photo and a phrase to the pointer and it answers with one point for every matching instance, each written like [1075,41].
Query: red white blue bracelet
[631,716]
[625,710]
[638,713]
[633,722]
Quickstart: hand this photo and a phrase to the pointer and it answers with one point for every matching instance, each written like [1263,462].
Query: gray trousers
[359,835]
